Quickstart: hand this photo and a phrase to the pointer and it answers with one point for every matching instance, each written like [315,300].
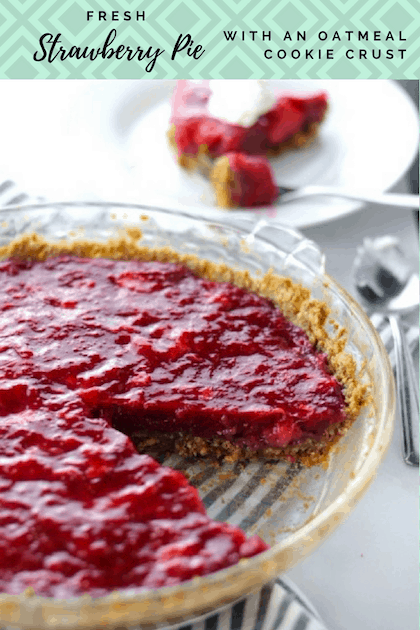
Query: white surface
[366,575]
[105,140]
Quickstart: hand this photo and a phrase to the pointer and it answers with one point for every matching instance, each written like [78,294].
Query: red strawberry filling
[90,346]
[195,128]
[252,182]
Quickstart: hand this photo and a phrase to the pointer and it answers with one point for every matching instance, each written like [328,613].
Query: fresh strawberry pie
[228,129]
[95,350]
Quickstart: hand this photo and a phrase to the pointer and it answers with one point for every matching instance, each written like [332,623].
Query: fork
[285,194]
[389,199]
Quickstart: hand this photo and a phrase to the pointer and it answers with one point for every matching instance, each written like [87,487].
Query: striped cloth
[277,606]
[290,610]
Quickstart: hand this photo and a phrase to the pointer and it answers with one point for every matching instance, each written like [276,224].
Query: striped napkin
[289,609]
[277,606]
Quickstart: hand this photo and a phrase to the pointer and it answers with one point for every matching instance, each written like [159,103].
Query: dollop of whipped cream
[240,102]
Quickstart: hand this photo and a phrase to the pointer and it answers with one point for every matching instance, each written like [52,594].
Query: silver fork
[286,195]
[386,285]
[389,199]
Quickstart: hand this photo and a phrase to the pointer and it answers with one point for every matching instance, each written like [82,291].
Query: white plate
[105,140]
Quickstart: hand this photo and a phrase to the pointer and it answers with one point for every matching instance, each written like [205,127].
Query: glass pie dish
[292,508]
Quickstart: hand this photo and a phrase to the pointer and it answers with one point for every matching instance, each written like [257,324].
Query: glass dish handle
[294,244]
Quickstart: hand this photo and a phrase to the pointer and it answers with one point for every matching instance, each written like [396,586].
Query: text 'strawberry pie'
[95,349]
[229,129]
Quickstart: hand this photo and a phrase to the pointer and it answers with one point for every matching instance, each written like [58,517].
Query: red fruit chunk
[81,510]
[254,184]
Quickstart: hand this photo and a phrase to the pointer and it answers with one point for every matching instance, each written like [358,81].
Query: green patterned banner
[163,39]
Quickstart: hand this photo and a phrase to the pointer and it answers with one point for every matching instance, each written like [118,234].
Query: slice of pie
[173,349]
[228,129]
